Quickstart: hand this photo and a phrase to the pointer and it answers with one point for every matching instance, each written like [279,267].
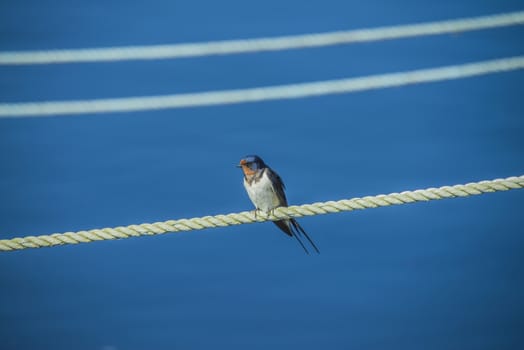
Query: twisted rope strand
[246,217]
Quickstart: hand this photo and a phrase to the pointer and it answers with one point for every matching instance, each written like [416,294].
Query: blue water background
[438,275]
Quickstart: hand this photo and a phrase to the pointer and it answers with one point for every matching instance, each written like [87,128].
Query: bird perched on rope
[266,190]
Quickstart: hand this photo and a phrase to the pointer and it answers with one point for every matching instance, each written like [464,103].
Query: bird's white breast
[262,193]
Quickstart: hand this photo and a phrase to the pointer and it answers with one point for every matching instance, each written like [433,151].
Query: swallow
[265,188]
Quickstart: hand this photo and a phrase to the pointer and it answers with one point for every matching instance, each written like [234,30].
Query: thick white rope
[262,44]
[292,91]
[470,189]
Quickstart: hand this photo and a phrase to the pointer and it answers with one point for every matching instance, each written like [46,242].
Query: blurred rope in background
[300,90]
[474,188]
[210,98]
[262,44]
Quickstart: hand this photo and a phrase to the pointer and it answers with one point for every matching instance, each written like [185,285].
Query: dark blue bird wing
[278,186]
[290,226]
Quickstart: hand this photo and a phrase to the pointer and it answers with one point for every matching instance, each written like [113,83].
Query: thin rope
[246,217]
[261,44]
[292,91]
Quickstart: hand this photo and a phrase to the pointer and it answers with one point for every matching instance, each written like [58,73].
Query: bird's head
[251,164]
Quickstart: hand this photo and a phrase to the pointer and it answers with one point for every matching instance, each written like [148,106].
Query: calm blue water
[438,275]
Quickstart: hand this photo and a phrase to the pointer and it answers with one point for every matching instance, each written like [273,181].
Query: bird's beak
[238,166]
[242,162]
